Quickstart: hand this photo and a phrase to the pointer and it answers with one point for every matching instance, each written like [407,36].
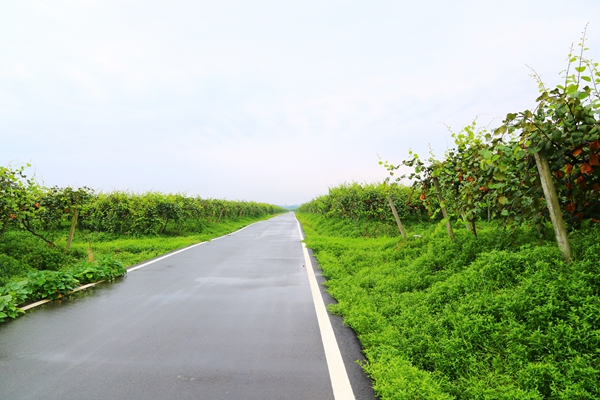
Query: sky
[269,101]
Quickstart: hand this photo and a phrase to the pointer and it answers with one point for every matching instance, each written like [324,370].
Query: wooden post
[72,230]
[436,183]
[552,200]
[467,223]
[396,217]
[474,228]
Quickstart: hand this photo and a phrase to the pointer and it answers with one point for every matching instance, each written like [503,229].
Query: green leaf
[580,69]
[502,200]
[519,154]
[502,129]
[556,135]
[572,88]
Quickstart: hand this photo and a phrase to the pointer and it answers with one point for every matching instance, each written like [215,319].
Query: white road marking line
[187,248]
[39,303]
[229,234]
[165,256]
[342,390]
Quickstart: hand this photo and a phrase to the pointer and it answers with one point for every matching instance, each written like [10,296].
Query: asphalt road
[233,318]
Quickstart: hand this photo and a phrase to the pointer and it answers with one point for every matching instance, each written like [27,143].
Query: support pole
[553,207]
[396,217]
[72,230]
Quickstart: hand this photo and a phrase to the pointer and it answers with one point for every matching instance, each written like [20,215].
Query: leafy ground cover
[31,270]
[499,315]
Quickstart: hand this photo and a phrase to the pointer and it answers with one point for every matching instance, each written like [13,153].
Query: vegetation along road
[232,318]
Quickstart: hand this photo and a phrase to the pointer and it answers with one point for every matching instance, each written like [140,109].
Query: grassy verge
[500,316]
[31,270]
[132,251]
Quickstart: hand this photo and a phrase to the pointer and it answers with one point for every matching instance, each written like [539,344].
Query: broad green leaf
[572,88]
[556,135]
[501,129]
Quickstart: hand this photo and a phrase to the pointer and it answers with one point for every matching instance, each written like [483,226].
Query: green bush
[32,251]
[19,291]
[8,307]
[367,203]
[54,284]
[50,284]
[498,316]
[10,267]
[107,268]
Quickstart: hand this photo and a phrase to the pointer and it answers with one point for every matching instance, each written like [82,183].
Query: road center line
[342,390]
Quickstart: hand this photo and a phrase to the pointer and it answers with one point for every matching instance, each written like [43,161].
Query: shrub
[498,316]
[32,251]
[9,267]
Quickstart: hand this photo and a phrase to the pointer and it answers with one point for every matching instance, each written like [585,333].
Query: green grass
[31,270]
[21,252]
[500,316]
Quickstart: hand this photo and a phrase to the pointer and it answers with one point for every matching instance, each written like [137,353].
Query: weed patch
[498,316]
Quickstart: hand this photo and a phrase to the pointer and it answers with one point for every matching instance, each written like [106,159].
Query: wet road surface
[230,319]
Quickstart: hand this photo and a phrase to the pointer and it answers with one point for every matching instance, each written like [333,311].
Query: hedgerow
[26,205]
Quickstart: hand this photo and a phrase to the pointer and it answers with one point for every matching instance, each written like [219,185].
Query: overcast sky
[271,101]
